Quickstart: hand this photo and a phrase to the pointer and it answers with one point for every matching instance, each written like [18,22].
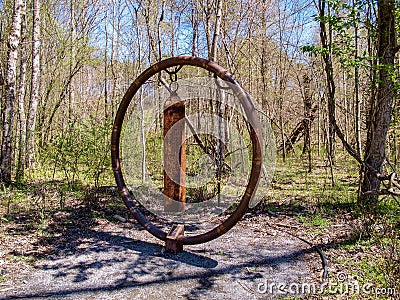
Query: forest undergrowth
[40,212]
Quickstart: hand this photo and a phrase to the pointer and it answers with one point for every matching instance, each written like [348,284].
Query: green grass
[314,220]
[29,259]
[311,194]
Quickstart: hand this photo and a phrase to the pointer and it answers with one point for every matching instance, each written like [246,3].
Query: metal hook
[173,75]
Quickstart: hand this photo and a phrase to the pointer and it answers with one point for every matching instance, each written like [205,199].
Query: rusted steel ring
[255,135]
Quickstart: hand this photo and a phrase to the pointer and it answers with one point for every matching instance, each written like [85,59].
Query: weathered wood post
[174,154]
[174,167]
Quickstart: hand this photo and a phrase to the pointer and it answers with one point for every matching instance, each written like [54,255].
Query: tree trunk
[264,57]
[357,84]
[330,82]
[71,61]
[308,115]
[143,129]
[381,110]
[220,151]
[33,104]
[195,25]
[21,102]
[346,105]
[217,29]
[14,42]
[139,48]
[106,69]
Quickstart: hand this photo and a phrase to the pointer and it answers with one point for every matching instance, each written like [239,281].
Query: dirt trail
[115,261]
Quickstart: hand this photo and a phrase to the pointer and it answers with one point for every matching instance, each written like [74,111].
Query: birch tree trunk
[35,85]
[14,42]
[21,101]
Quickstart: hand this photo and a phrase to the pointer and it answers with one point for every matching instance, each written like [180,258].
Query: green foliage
[315,220]
[81,151]
[341,21]
[193,153]
[154,155]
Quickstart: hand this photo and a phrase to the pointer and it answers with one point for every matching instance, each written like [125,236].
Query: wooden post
[173,243]
[174,155]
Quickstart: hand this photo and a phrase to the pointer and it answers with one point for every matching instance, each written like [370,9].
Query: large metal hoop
[255,135]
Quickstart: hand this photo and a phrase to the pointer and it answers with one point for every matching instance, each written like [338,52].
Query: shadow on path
[108,262]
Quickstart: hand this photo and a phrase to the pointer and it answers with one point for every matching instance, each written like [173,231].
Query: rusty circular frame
[255,135]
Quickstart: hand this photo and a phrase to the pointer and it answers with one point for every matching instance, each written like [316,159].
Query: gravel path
[122,261]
